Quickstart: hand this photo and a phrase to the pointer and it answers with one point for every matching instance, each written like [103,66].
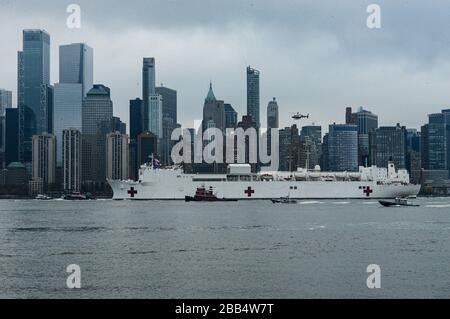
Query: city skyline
[296,88]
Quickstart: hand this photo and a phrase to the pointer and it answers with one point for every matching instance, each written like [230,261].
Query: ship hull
[168,189]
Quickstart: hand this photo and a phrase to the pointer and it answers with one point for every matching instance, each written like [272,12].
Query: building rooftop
[99,89]
[210,98]
[16,165]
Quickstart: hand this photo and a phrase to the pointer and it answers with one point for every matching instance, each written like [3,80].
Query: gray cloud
[315,57]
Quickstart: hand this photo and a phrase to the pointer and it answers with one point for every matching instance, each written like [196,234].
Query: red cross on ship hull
[132,192]
[249,191]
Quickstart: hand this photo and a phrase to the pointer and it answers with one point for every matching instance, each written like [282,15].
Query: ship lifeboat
[355,176]
[341,176]
[267,177]
[314,175]
[300,176]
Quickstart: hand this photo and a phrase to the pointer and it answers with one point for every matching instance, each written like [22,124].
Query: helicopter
[299,116]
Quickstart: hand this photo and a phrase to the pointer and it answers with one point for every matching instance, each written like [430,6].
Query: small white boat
[43,197]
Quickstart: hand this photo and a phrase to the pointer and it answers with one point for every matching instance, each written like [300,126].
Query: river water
[255,249]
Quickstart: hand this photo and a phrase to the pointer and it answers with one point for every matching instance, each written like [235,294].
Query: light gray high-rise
[34,92]
[253,96]
[117,156]
[71,159]
[68,101]
[76,65]
[5,101]
[44,158]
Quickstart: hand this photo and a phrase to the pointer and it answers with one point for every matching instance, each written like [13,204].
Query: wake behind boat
[284,200]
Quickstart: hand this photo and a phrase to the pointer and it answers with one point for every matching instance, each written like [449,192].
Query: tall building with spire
[213,111]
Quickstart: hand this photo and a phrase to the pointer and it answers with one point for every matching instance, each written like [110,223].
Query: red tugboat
[206,195]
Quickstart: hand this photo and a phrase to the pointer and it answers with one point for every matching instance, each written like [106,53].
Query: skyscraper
[136,107]
[71,159]
[230,116]
[166,143]
[367,122]
[118,125]
[68,101]
[169,102]
[342,143]
[2,141]
[272,114]
[5,101]
[213,111]
[289,143]
[253,96]
[11,136]
[436,141]
[76,65]
[117,159]
[311,143]
[33,98]
[97,117]
[148,89]
[147,146]
[156,115]
[44,158]
[388,144]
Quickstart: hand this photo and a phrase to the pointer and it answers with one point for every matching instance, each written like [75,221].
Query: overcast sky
[316,57]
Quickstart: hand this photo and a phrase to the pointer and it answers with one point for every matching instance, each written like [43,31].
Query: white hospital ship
[173,184]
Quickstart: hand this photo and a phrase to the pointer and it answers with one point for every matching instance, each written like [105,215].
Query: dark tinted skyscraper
[147,147]
[97,117]
[272,114]
[289,141]
[436,141]
[253,96]
[367,122]
[169,102]
[388,144]
[213,112]
[136,111]
[33,98]
[11,136]
[343,147]
[230,116]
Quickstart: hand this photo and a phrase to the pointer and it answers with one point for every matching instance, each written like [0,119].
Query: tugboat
[398,202]
[77,196]
[206,195]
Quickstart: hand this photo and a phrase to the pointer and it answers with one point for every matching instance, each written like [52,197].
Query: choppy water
[224,250]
